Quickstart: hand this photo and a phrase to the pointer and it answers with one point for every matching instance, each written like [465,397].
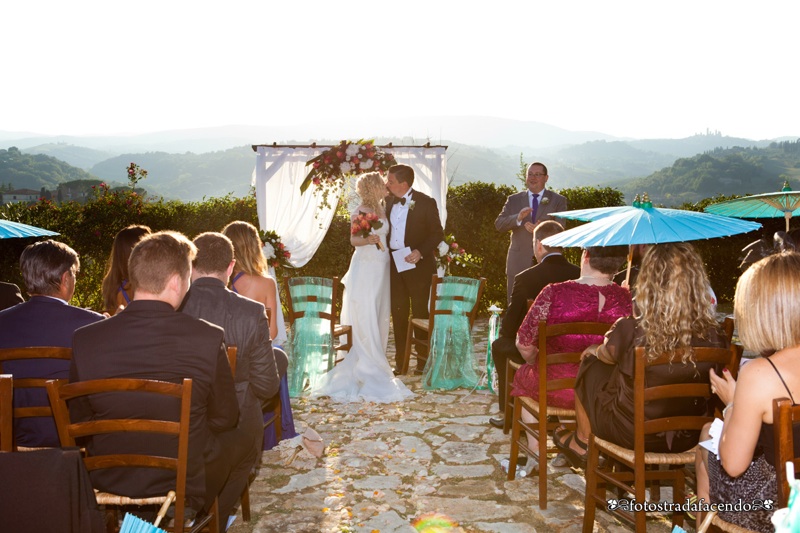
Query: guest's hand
[524,213]
[723,386]
[530,226]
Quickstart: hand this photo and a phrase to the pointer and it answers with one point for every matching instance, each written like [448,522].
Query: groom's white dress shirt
[398,222]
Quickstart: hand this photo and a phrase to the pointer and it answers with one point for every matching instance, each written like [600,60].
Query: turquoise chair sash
[311,347]
[451,362]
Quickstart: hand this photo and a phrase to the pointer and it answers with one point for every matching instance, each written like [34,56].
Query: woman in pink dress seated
[593,297]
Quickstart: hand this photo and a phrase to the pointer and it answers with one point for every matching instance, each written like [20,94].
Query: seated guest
[673,311]
[259,367]
[551,267]
[593,297]
[9,295]
[117,289]
[150,340]
[49,269]
[767,310]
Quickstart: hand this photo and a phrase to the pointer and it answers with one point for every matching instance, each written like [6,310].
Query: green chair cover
[451,363]
[311,347]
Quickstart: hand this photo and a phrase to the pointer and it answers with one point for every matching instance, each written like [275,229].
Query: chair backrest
[232,352]
[728,325]
[549,331]
[60,392]
[453,295]
[784,417]
[311,296]
[37,384]
[6,413]
[644,393]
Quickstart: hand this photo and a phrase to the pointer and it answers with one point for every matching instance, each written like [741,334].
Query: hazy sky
[628,68]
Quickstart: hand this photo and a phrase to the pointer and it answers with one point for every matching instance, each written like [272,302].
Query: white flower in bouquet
[366,165]
[442,248]
[268,250]
[352,149]
[346,168]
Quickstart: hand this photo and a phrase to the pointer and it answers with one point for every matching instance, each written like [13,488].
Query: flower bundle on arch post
[450,253]
[274,250]
[330,168]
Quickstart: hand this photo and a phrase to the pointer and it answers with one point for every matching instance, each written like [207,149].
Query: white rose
[442,248]
[366,165]
[352,150]
[346,168]
[269,251]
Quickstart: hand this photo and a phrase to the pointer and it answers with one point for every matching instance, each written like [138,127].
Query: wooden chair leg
[592,486]
[515,432]
[246,503]
[542,422]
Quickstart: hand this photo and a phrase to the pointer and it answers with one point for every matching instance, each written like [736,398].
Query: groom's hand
[413,257]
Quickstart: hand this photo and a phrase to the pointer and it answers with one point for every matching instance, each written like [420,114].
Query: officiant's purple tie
[534,207]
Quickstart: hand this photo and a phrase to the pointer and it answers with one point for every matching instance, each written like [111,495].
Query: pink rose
[454,245]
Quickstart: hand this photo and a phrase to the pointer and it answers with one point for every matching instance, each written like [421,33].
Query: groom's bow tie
[401,201]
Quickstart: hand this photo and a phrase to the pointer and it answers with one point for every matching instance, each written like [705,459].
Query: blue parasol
[785,203]
[16,230]
[644,224]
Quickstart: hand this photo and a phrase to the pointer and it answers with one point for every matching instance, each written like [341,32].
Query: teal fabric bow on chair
[312,312]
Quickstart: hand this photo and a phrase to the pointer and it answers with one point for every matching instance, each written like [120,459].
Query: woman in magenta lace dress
[593,297]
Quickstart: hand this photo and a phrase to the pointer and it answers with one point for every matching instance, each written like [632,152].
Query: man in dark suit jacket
[49,269]
[259,366]
[551,267]
[413,223]
[150,340]
[522,212]
[9,295]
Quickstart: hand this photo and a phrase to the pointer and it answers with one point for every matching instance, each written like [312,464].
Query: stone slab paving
[388,464]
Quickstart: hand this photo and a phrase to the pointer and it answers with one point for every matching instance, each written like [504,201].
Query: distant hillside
[721,171]
[77,156]
[187,176]
[29,171]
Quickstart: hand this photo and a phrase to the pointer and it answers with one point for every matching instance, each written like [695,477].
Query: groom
[413,223]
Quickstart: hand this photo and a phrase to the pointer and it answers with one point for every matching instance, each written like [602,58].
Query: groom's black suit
[423,232]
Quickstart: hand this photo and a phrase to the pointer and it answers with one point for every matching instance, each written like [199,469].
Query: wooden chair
[511,370]
[420,329]
[630,470]
[728,326]
[298,300]
[31,353]
[784,417]
[60,392]
[6,413]
[538,407]
[275,418]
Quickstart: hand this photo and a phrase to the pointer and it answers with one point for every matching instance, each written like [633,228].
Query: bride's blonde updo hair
[372,189]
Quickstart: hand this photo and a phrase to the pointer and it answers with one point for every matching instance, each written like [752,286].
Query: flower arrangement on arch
[450,253]
[276,253]
[348,158]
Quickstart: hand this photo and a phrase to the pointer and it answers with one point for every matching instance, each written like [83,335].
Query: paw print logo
[612,504]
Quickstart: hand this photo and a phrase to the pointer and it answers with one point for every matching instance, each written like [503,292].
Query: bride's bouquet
[363,225]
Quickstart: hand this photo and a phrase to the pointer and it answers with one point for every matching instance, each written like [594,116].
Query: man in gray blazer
[522,212]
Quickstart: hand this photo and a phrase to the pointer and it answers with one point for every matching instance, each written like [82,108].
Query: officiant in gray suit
[522,212]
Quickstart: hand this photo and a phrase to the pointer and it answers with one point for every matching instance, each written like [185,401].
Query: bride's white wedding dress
[365,373]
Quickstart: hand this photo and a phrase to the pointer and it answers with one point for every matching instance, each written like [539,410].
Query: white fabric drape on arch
[281,208]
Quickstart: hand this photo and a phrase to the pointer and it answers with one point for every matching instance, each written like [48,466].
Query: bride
[365,373]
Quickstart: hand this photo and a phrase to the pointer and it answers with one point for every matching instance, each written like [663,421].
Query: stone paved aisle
[388,464]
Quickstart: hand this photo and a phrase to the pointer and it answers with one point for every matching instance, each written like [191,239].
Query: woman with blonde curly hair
[767,312]
[365,373]
[251,277]
[673,310]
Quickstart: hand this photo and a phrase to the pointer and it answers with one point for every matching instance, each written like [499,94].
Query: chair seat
[420,322]
[650,458]
[533,406]
[107,498]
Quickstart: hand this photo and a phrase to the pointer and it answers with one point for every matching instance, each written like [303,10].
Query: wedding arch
[300,219]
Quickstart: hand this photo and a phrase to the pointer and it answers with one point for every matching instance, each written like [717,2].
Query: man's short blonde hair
[158,257]
[767,303]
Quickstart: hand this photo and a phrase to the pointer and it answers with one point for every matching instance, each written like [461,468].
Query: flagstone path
[386,465]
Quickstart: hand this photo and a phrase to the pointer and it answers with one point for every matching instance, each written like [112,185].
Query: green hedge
[472,208]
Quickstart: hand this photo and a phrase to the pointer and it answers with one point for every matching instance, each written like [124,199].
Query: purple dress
[559,303]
